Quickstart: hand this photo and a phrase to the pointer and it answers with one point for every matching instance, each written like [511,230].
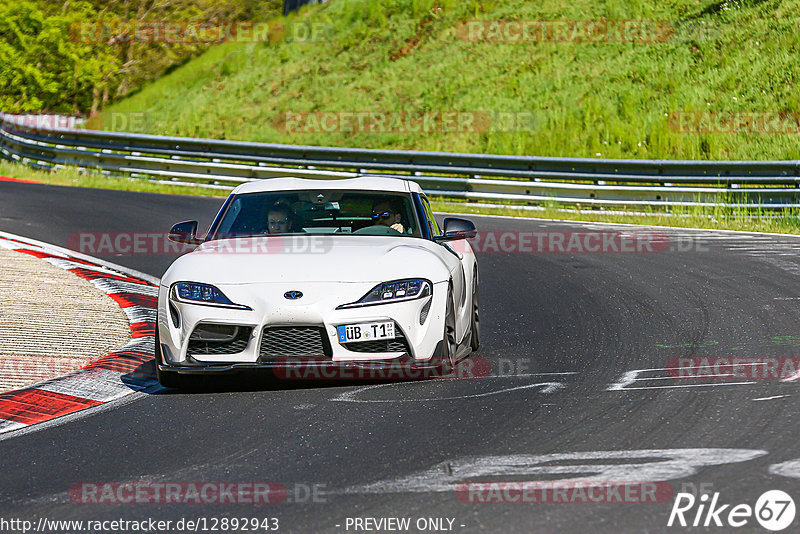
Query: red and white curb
[116,375]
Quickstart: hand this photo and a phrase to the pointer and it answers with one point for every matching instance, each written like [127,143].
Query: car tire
[449,344]
[475,326]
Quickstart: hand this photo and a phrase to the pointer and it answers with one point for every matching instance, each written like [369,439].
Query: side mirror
[455,229]
[185,232]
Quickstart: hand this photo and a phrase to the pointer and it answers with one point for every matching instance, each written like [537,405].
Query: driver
[386,213]
[279,219]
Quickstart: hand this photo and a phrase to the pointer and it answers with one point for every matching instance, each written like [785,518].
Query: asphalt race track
[582,348]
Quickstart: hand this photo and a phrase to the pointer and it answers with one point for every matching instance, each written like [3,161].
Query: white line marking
[140,314]
[687,386]
[94,384]
[349,396]
[770,398]
[74,416]
[109,286]
[720,375]
[697,366]
[69,264]
[140,344]
[791,378]
[789,468]
[8,426]
[655,465]
[531,374]
[629,377]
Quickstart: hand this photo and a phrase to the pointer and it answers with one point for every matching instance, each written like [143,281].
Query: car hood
[312,258]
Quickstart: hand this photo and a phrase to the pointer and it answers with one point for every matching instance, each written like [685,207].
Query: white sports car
[350,273]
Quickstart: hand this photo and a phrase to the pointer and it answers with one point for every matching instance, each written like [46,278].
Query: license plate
[353,333]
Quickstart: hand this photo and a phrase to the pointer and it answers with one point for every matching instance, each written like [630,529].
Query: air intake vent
[218,339]
[302,341]
[423,314]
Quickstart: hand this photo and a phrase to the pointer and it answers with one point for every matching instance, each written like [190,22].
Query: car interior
[318,212]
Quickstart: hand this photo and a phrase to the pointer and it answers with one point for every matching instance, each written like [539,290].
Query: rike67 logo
[774,510]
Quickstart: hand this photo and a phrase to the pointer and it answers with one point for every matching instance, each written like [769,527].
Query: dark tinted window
[318,212]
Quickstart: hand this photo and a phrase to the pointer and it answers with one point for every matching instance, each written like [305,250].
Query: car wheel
[475,341]
[168,379]
[449,345]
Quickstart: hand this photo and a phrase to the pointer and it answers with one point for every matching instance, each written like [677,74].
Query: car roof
[362,183]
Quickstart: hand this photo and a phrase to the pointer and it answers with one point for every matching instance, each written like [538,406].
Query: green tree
[47,63]
[41,67]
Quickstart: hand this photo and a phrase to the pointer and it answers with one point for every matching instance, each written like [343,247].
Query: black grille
[423,314]
[282,341]
[234,346]
[398,344]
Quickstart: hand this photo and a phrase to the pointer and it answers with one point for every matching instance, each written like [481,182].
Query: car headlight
[196,293]
[395,291]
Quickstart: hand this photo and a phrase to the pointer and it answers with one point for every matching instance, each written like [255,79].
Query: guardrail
[495,178]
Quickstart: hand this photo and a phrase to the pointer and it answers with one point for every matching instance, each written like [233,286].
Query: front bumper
[403,367]
[421,323]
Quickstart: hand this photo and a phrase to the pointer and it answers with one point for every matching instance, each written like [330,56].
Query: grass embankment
[572,97]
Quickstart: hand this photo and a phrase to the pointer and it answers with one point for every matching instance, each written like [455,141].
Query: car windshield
[318,212]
